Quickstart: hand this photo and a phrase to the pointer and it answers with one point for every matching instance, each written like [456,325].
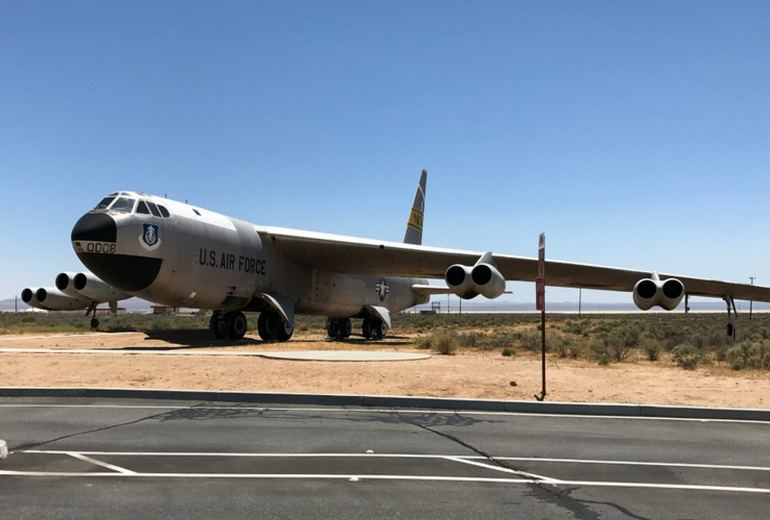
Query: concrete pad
[296,355]
[343,355]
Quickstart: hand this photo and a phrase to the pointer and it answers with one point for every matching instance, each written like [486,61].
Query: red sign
[540,280]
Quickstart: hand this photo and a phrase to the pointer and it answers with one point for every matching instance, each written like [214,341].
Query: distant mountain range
[131,305]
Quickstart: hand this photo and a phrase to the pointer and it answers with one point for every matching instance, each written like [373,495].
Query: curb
[437,403]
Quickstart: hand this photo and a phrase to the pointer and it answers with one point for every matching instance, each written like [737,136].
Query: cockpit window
[142,208]
[164,211]
[153,209]
[123,205]
[104,203]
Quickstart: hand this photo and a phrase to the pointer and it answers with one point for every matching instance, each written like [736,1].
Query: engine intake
[666,294]
[483,278]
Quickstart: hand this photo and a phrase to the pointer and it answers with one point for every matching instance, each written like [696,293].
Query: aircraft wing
[373,257]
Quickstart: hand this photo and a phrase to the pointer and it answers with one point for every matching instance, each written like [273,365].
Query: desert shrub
[445,343]
[687,356]
[508,352]
[618,345]
[748,354]
[469,339]
[530,342]
[424,342]
[651,349]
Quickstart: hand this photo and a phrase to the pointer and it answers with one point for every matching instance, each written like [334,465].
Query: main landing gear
[230,325]
[272,327]
[341,328]
[731,333]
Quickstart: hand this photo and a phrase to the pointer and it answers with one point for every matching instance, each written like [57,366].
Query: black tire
[235,325]
[94,323]
[345,328]
[366,328]
[283,330]
[216,325]
[379,329]
[263,327]
[331,328]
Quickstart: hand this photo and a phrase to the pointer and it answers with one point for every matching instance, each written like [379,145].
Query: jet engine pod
[671,293]
[666,294]
[95,289]
[459,279]
[64,282]
[488,280]
[53,299]
[645,293]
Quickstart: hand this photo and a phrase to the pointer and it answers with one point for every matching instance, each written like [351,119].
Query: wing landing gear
[732,313]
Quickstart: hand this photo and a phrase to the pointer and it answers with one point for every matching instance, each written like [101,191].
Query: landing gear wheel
[216,324]
[272,327]
[94,323]
[262,327]
[366,328]
[339,328]
[235,325]
[344,328]
[378,328]
[283,330]
[331,328]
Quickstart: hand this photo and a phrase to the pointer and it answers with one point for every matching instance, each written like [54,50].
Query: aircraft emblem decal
[383,289]
[150,238]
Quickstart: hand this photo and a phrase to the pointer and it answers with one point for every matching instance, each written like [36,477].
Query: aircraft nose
[95,227]
[94,239]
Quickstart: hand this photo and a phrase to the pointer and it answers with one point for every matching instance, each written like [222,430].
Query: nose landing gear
[230,325]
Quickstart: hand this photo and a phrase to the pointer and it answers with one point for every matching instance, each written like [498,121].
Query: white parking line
[466,459]
[633,463]
[359,477]
[95,462]
[533,476]
[397,411]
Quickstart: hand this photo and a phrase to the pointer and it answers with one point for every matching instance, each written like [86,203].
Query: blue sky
[633,133]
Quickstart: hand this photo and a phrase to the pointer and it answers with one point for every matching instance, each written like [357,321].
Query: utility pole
[540,305]
[15,304]
[751,302]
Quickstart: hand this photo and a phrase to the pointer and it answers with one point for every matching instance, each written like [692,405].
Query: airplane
[74,291]
[183,255]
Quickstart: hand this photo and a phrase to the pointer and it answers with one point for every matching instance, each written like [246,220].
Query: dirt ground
[471,374]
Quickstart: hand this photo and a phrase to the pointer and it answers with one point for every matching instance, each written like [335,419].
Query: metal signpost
[540,304]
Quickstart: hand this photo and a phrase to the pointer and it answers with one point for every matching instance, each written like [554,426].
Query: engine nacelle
[468,282]
[488,280]
[649,292]
[64,282]
[28,297]
[91,287]
[53,299]
[458,278]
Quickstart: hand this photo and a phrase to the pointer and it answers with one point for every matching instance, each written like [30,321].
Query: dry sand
[471,374]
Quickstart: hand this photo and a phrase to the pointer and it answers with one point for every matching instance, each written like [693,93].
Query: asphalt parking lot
[126,458]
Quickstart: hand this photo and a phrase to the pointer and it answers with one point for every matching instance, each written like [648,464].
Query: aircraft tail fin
[413,233]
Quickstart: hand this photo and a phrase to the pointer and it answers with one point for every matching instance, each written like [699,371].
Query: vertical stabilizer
[413,233]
